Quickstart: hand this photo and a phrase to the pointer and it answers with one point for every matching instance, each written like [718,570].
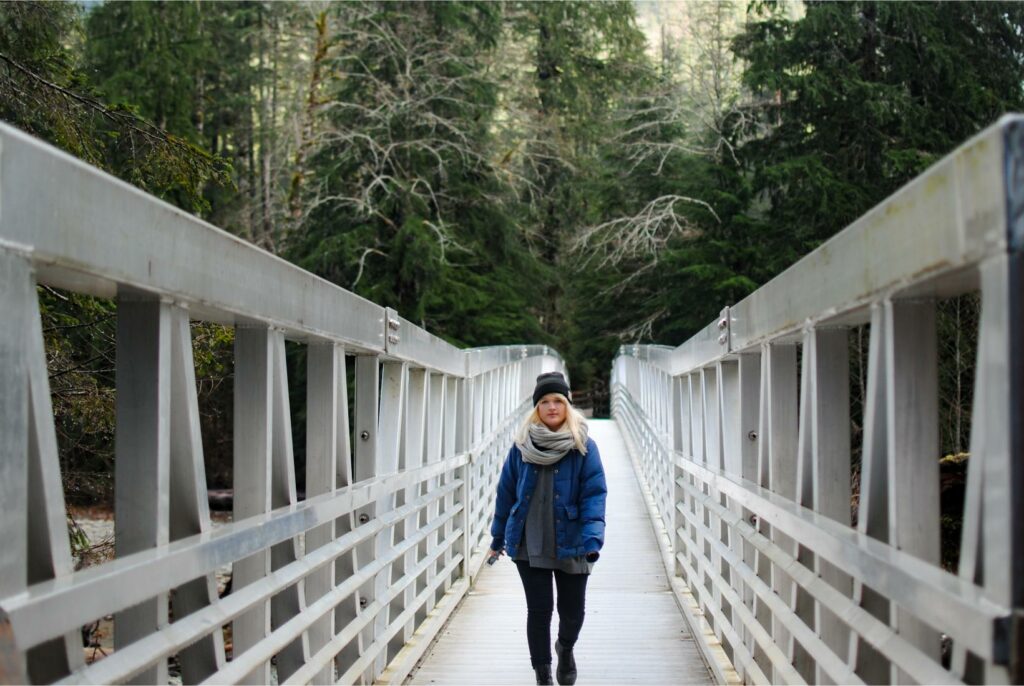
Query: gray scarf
[546,447]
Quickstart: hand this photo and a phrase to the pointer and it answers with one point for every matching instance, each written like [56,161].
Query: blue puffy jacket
[580,492]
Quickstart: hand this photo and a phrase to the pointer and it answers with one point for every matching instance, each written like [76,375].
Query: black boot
[566,671]
[543,674]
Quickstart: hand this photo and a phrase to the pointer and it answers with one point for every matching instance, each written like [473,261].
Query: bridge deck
[633,633]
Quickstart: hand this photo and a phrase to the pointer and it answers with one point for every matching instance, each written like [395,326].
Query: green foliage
[79,332]
[860,97]
[44,91]
[581,60]
[499,172]
[150,54]
[416,216]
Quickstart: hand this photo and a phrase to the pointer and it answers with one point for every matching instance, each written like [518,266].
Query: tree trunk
[308,118]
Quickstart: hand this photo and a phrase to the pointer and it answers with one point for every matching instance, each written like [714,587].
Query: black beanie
[551,382]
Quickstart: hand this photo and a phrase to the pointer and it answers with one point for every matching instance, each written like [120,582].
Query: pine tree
[860,97]
[405,205]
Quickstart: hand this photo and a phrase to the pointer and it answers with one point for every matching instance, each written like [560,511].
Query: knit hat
[551,382]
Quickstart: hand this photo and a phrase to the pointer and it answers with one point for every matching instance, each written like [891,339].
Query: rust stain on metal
[12,662]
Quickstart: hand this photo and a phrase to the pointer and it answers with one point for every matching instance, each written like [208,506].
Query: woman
[549,517]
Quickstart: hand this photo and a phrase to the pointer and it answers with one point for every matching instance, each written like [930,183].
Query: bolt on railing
[743,436]
[347,585]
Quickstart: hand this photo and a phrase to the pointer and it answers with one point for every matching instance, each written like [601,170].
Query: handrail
[743,437]
[351,582]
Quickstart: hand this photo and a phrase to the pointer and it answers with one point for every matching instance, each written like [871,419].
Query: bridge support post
[823,474]
[328,465]
[777,472]
[451,446]
[253,416]
[393,387]
[1014,484]
[414,429]
[189,506]
[16,292]
[467,415]
[142,453]
[367,410]
[681,446]
[992,551]
[435,415]
[749,410]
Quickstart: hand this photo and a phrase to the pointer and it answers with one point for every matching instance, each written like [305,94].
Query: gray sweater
[538,545]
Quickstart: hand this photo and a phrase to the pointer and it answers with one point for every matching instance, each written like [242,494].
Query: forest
[581,174]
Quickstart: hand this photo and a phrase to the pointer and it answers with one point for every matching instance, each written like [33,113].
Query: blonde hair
[573,423]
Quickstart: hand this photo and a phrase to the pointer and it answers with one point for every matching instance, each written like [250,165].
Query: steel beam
[142,453]
[147,244]
[253,446]
[16,294]
[189,506]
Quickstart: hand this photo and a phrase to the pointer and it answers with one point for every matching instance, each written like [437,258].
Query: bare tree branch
[643,234]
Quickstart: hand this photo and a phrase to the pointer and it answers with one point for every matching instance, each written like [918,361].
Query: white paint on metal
[189,506]
[98,232]
[381,546]
[774,498]
[253,446]
[142,453]
[325,408]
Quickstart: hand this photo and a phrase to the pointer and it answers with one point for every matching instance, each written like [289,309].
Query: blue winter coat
[580,492]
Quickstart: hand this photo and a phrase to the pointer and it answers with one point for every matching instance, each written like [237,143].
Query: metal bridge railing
[348,585]
[743,437]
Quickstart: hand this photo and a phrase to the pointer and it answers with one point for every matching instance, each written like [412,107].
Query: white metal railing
[743,437]
[348,585]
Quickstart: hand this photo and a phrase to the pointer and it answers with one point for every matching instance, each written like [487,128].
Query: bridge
[739,547]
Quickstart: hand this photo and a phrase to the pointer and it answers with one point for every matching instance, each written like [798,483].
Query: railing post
[1015,487]
[412,458]
[288,602]
[16,294]
[679,439]
[142,453]
[823,471]
[1005,284]
[49,549]
[189,504]
[451,447]
[326,444]
[367,413]
[435,416]
[750,404]
[465,432]
[992,547]
[392,417]
[913,413]
[684,446]
[346,565]
[252,474]
[1015,427]
[777,468]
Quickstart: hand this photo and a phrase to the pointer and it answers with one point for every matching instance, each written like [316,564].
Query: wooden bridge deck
[633,632]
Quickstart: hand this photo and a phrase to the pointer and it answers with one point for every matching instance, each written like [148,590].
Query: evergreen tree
[568,67]
[860,97]
[45,91]
[407,207]
[209,73]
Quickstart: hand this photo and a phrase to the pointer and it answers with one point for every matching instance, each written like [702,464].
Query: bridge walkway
[633,633]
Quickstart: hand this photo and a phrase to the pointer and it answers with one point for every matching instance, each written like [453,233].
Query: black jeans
[572,591]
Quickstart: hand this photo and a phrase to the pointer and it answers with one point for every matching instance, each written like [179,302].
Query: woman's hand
[493,555]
